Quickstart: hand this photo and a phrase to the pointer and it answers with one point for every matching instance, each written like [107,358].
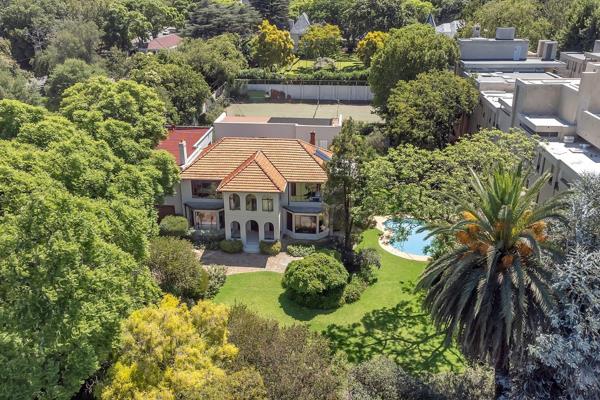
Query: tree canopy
[272,47]
[408,52]
[275,11]
[368,46]
[209,18]
[425,111]
[65,75]
[582,26]
[321,41]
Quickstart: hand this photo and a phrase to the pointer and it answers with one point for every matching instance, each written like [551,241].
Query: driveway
[245,262]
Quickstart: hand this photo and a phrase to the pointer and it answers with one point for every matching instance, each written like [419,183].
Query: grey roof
[206,205]
[300,121]
[301,25]
[309,208]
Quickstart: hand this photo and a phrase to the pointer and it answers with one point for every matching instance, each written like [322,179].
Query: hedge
[322,74]
[270,248]
[173,225]
[231,246]
[300,250]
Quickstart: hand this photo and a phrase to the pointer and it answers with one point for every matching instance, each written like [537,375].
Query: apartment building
[577,62]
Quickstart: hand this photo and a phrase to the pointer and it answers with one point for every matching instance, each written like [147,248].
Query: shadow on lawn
[403,333]
[298,312]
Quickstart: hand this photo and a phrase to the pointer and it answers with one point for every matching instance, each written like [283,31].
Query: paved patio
[245,262]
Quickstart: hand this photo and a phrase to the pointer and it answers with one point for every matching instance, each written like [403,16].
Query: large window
[205,190]
[267,204]
[305,223]
[206,219]
[305,191]
[250,202]
[234,202]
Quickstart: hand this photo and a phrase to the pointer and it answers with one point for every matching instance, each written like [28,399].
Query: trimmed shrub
[327,75]
[354,289]
[231,246]
[217,275]
[176,268]
[207,239]
[300,250]
[270,248]
[173,225]
[316,281]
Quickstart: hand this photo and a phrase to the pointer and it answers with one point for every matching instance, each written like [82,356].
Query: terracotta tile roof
[175,135]
[294,159]
[165,42]
[256,174]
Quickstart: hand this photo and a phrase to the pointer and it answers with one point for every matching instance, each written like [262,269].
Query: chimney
[182,153]
[597,46]
[505,33]
[313,139]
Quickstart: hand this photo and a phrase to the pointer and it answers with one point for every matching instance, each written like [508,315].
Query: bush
[316,281]
[217,275]
[368,260]
[176,268]
[208,239]
[354,289]
[300,250]
[270,248]
[324,63]
[173,225]
[337,75]
[294,362]
[231,246]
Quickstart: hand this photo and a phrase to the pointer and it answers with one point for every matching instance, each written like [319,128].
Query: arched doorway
[235,230]
[269,231]
[251,231]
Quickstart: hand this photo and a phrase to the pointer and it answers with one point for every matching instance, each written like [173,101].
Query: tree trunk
[502,374]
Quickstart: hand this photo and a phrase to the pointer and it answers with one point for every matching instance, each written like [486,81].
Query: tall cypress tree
[275,11]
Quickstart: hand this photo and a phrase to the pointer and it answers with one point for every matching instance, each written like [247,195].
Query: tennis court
[304,110]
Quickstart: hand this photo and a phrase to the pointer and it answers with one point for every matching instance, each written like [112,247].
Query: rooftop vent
[476,31]
[505,33]
[569,139]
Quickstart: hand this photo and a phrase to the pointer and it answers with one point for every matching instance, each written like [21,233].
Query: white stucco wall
[275,130]
[361,93]
[261,217]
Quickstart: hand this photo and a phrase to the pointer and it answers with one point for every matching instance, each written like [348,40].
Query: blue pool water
[415,243]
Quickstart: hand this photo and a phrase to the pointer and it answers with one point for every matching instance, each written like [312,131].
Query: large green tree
[209,18]
[275,11]
[321,41]
[582,26]
[493,289]
[525,15]
[408,52]
[65,75]
[425,112]
[272,48]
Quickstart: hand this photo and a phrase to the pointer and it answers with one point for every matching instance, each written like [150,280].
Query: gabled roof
[169,41]
[295,160]
[191,135]
[256,174]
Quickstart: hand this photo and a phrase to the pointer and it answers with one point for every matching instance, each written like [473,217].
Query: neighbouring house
[323,129]
[184,143]
[164,42]
[299,28]
[255,189]
[576,62]
[505,53]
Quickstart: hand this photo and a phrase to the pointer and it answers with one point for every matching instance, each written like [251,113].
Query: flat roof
[510,76]
[529,62]
[546,122]
[580,156]
[494,97]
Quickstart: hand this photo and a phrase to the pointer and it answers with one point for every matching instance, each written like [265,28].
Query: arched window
[234,202]
[250,202]
[269,231]
[235,230]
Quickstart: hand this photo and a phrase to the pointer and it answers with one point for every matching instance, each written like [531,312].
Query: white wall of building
[242,216]
[350,93]
[275,130]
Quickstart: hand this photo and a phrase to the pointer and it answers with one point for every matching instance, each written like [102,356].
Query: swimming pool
[413,243]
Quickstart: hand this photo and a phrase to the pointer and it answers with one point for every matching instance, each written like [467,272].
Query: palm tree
[493,287]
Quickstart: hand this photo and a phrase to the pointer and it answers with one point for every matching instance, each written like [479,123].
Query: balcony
[305,192]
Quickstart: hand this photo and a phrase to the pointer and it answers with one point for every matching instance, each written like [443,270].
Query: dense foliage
[217,275]
[174,225]
[581,27]
[368,46]
[425,112]
[406,53]
[272,48]
[270,248]
[317,281]
[275,11]
[320,41]
[210,18]
[231,246]
[176,268]
[65,75]
[170,351]
[294,362]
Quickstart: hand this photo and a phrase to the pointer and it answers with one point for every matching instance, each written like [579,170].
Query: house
[164,42]
[505,53]
[299,28]
[565,114]
[325,129]
[255,189]
[576,62]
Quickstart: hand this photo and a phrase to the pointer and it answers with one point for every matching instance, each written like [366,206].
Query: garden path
[245,262]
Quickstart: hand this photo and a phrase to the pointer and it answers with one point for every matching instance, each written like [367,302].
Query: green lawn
[307,65]
[387,318]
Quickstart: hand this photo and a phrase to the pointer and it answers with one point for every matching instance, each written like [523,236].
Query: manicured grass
[386,320]
[306,65]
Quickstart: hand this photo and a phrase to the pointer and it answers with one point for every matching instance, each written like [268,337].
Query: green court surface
[305,110]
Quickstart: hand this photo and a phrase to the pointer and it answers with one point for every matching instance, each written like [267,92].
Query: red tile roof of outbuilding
[165,42]
[191,135]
